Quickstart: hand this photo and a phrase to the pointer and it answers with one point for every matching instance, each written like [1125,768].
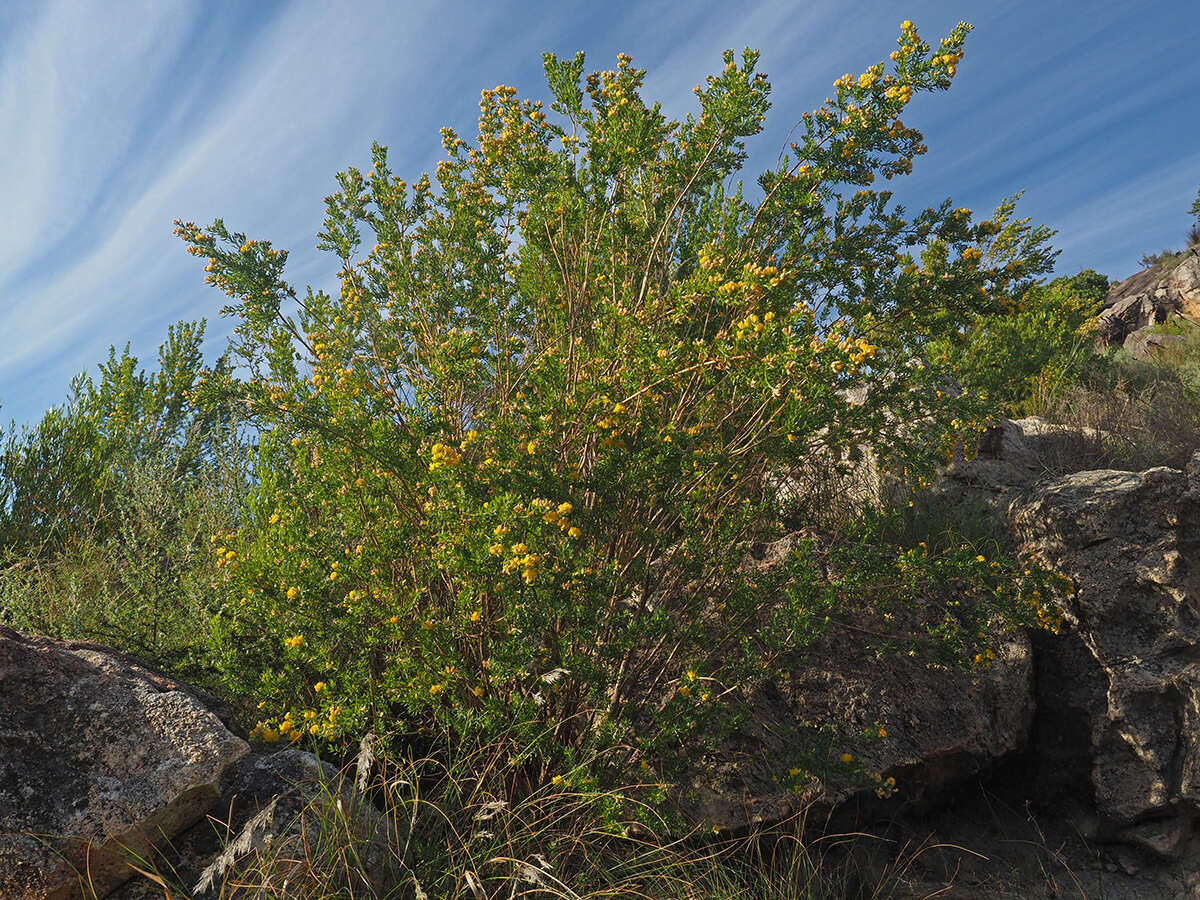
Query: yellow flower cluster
[750,325]
[560,515]
[294,641]
[885,787]
[859,349]
[524,560]
[972,254]
[949,60]
[751,282]
[226,556]
[864,351]
[444,456]
[866,79]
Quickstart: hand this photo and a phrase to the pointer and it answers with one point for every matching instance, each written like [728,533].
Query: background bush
[1025,356]
[108,504]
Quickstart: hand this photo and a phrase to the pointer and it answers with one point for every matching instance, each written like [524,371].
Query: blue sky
[118,116]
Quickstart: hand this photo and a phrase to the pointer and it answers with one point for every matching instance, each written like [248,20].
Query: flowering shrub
[511,470]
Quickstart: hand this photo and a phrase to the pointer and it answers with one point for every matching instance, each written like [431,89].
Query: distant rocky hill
[1168,289]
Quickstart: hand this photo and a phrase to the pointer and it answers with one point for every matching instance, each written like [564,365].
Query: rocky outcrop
[1149,298]
[1124,689]
[1149,344]
[99,758]
[104,762]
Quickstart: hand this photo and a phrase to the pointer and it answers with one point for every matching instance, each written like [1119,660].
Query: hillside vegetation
[492,499]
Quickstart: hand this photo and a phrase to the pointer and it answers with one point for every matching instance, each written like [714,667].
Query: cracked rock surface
[1131,679]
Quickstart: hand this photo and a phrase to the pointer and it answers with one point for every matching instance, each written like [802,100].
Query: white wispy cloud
[117,118]
[273,129]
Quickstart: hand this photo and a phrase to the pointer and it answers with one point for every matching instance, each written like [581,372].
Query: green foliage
[58,478]
[511,472]
[108,503]
[138,580]
[1153,259]
[1038,344]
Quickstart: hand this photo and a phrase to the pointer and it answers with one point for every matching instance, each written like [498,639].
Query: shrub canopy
[511,469]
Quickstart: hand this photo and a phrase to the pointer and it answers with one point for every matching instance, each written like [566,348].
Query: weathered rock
[281,817]
[1127,672]
[972,495]
[1129,315]
[99,756]
[928,727]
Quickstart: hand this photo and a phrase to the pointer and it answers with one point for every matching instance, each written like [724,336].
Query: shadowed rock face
[97,753]
[1131,543]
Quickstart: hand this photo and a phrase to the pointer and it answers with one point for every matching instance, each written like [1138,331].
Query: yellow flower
[980,558]
[573,532]
[435,689]
[475,616]
[270,734]
[318,687]
[847,757]
[294,641]
[496,549]
[293,593]
[883,732]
